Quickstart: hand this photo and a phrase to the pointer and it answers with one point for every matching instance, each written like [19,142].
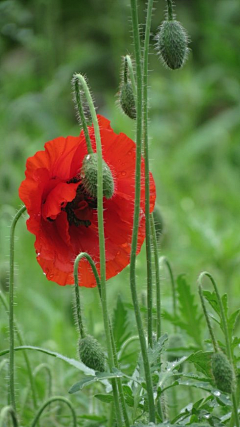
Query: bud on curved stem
[76,82]
[127,94]
[89,177]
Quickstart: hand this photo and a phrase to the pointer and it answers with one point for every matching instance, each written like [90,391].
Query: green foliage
[121,323]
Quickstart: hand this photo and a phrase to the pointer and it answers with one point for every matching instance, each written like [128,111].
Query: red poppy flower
[64,218]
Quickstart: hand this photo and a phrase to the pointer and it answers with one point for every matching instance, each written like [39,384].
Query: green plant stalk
[102,242]
[81,113]
[119,381]
[228,345]
[174,300]
[38,369]
[8,410]
[11,309]
[77,298]
[214,341]
[137,212]
[170,10]
[131,73]
[158,297]
[55,399]
[27,361]
[147,185]
[157,278]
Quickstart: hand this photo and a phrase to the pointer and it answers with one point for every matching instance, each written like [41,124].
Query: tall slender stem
[157,278]
[11,308]
[137,211]
[174,299]
[102,241]
[77,297]
[147,185]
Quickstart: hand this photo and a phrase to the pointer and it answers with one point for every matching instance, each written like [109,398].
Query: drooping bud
[127,100]
[91,353]
[158,222]
[172,41]
[126,94]
[222,372]
[89,177]
[172,44]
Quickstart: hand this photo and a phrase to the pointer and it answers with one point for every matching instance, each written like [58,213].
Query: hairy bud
[127,100]
[91,353]
[89,177]
[222,372]
[172,44]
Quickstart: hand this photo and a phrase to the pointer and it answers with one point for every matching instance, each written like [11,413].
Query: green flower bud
[91,353]
[172,44]
[158,222]
[89,177]
[127,100]
[222,372]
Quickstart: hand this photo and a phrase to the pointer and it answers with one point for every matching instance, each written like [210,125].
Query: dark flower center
[79,210]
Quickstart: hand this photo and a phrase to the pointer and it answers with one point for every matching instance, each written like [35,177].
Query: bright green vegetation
[194,157]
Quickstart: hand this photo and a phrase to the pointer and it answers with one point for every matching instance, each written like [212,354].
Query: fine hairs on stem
[102,240]
[146,365]
[11,308]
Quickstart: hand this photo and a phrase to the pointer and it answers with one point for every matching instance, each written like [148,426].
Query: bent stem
[128,59]
[119,381]
[11,310]
[174,300]
[55,399]
[137,212]
[21,343]
[227,340]
[77,93]
[102,241]
[8,410]
[214,341]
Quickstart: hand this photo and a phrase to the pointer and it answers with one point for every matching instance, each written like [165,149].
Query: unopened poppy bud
[89,177]
[127,100]
[91,353]
[172,44]
[158,222]
[222,372]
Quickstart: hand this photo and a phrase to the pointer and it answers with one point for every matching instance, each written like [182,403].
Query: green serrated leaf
[158,346]
[122,328]
[100,376]
[189,310]
[232,321]
[106,398]
[76,363]
[211,297]
[202,362]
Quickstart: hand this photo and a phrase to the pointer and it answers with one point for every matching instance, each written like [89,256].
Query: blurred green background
[194,130]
